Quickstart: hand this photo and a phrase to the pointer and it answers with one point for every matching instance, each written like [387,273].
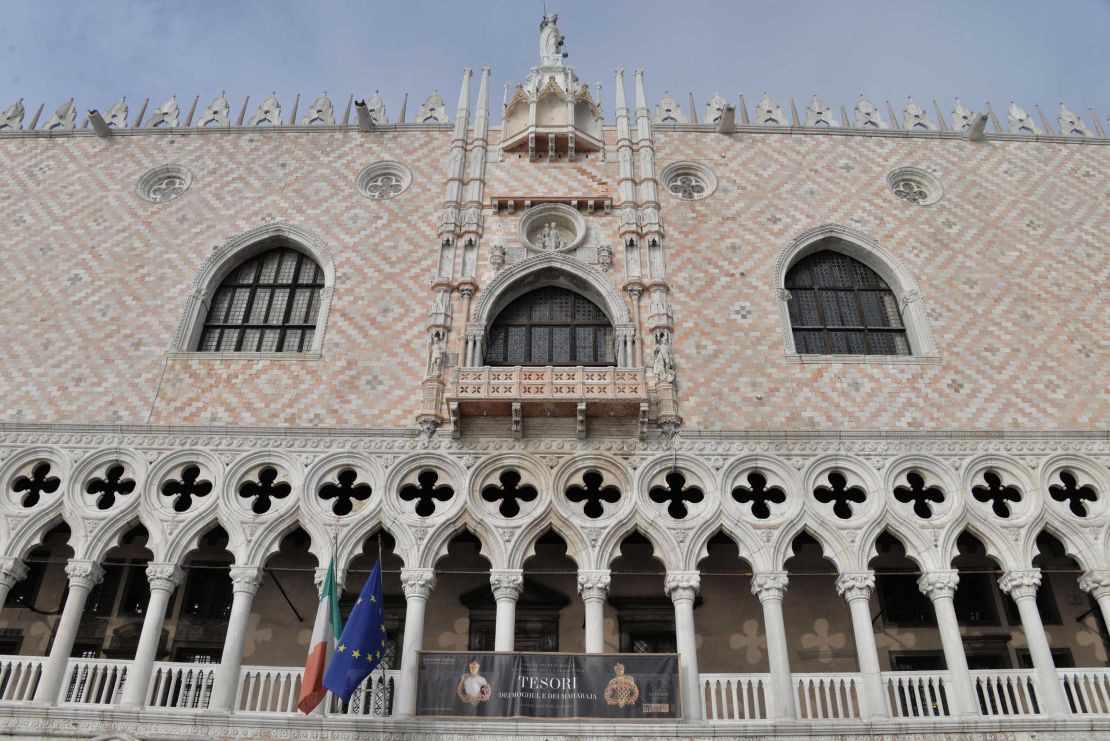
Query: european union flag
[362,644]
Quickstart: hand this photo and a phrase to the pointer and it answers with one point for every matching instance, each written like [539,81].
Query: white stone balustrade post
[682,587]
[770,587]
[507,584]
[163,579]
[594,588]
[418,585]
[83,576]
[245,581]
[1022,586]
[856,588]
[1095,581]
[940,588]
[12,571]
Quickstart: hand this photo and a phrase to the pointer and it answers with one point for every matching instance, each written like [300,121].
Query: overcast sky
[1043,52]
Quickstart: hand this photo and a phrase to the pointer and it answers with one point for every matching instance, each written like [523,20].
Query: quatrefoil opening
[426,492]
[759,494]
[1075,495]
[509,493]
[265,490]
[34,486]
[996,494]
[676,494]
[345,492]
[112,485]
[186,489]
[594,494]
[840,494]
[923,497]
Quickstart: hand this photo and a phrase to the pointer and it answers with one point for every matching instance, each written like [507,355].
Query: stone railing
[546,383]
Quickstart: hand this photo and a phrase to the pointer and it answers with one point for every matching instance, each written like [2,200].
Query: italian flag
[320,647]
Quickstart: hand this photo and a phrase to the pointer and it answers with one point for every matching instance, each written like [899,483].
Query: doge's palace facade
[816,399]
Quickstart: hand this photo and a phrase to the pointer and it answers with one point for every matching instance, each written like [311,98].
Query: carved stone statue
[439,350]
[663,362]
[551,240]
[551,41]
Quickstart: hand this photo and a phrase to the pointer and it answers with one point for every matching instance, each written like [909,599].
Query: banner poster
[544,685]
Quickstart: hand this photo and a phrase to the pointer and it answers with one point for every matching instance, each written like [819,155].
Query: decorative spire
[481,117]
[462,112]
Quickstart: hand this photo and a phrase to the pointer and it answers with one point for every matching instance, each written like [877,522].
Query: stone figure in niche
[551,41]
[663,363]
[439,352]
[551,240]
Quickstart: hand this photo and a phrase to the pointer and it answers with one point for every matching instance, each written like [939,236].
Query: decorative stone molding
[770,585]
[668,111]
[116,116]
[320,111]
[418,583]
[64,118]
[12,117]
[1021,584]
[593,585]
[13,571]
[769,113]
[1097,582]
[164,576]
[164,183]
[246,578]
[853,585]
[86,574]
[682,585]
[507,584]
[268,113]
[688,181]
[217,113]
[819,113]
[166,115]
[915,186]
[868,116]
[1071,123]
[939,584]
[1020,122]
[383,181]
[433,110]
[914,117]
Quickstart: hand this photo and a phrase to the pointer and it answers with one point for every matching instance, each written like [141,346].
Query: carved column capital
[855,585]
[682,585]
[1097,582]
[782,294]
[12,571]
[246,578]
[466,290]
[593,585]
[418,583]
[635,291]
[938,584]
[507,584]
[770,585]
[165,577]
[85,574]
[1021,584]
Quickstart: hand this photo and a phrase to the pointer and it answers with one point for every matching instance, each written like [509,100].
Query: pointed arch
[237,249]
[867,250]
[524,545]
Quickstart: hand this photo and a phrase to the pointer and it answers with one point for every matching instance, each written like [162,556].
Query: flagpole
[381,664]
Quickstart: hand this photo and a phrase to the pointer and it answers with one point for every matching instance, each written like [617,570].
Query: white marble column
[163,579]
[245,581]
[940,587]
[12,571]
[507,584]
[1022,586]
[418,585]
[770,587]
[1097,582]
[856,588]
[682,587]
[594,588]
[83,576]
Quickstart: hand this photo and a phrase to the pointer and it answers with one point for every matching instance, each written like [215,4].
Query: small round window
[914,186]
[688,181]
[165,183]
[382,181]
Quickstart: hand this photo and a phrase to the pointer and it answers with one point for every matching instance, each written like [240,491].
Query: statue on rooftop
[551,41]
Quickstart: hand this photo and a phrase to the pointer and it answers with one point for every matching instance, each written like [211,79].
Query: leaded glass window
[840,306]
[267,304]
[551,326]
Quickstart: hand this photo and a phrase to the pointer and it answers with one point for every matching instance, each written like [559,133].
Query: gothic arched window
[551,326]
[267,304]
[838,305]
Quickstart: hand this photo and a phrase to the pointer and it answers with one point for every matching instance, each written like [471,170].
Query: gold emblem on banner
[473,687]
[621,690]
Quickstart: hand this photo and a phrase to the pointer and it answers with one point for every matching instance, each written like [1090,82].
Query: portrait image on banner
[545,685]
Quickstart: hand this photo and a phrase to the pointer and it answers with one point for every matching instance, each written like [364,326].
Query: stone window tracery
[345,491]
[595,494]
[39,482]
[838,305]
[426,492]
[551,326]
[1070,491]
[383,181]
[268,304]
[185,490]
[688,181]
[676,494]
[509,493]
[165,183]
[110,486]
[915,186]
[265,490]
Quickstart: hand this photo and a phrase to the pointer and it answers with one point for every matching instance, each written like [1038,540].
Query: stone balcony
[548,391]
